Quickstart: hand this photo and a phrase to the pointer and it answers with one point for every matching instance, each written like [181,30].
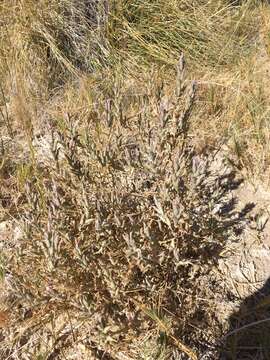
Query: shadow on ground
[249,334]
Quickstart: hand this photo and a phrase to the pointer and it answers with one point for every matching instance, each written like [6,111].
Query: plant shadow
[249,333]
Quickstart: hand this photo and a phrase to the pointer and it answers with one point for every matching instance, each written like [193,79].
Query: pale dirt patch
[246,264]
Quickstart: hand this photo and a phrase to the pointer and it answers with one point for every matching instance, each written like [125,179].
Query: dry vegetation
[115,211]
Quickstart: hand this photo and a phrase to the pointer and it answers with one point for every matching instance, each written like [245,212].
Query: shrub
[122,226]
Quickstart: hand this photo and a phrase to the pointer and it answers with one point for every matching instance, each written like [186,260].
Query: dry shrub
[122,228]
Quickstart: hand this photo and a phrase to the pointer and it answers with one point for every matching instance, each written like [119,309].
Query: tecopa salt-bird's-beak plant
[120,230]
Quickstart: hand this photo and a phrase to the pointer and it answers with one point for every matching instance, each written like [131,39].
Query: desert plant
[211,33]
[121,228]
